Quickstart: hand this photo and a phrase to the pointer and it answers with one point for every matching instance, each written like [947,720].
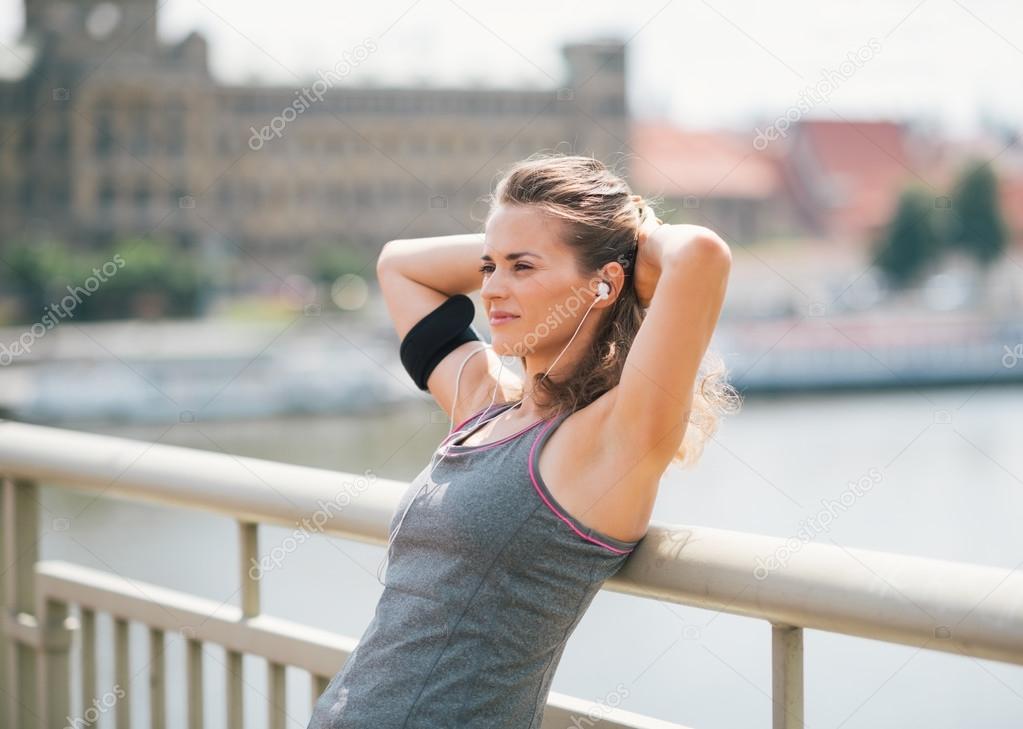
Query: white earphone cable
[603,292]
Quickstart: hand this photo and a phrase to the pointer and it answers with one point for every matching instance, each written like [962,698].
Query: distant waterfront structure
[112,133]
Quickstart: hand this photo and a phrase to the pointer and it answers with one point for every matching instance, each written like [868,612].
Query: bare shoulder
[604,486]
[481,376]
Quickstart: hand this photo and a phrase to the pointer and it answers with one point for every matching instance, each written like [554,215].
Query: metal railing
[954,607]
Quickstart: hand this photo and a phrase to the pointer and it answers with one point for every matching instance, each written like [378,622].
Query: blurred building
[112,133]
[832,180]
[846,176]
[717,179]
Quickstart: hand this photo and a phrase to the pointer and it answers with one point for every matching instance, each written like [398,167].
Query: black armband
[436,335]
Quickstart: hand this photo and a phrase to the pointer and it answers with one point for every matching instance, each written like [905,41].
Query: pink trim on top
[555,509]
[485,446]
[500,407]
[458,430]
[475,415]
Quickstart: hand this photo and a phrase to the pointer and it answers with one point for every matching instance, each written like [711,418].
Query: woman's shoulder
[593,480]
[581,432]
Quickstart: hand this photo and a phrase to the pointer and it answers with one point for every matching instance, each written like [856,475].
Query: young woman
[546,485]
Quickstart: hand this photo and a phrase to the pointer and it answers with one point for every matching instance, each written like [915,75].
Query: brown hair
[600,217]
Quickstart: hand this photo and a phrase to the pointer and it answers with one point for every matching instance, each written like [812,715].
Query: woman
[546,485]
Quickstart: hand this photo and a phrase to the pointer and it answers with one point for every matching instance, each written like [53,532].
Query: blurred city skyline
[743,62]
[118,141]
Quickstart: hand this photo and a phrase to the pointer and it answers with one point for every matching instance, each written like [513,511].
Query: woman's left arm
[688,265]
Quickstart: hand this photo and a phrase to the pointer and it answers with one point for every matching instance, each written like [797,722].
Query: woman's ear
[614,274]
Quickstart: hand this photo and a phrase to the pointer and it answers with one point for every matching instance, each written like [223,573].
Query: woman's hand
[648,257]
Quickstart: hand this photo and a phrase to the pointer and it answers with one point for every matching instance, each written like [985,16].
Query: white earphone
[603,292]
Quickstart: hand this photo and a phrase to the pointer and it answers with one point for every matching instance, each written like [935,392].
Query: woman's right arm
[416,276]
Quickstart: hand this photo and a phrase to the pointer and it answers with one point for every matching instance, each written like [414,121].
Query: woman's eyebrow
[511,256]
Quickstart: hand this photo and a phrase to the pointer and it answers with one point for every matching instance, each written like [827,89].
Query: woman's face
[529,273]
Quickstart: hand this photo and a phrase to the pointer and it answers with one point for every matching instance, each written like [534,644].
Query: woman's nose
[493,285]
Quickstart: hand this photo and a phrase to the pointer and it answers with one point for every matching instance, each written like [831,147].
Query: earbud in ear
[603,290]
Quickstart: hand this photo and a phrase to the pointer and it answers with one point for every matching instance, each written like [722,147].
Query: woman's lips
[496,320]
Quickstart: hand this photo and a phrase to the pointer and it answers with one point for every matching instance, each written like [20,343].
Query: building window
[60,142]
[27,142]
[61,193]
[613,61]
[27,194]
[175,125]
[226,194]
[139,143]
[107,195]
[141,195]
[103,141]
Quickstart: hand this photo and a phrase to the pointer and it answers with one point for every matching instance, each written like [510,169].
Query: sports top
[487,579]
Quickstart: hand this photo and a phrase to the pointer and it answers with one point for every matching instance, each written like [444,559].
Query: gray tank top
[487,579]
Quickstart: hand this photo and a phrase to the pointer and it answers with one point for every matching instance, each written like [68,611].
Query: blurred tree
[32,273]
[978,228]
[327,261]
[137,277]
[912,239]
[340,271]
[155,279]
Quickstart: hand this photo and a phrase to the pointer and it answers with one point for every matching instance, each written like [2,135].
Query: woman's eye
[488,268]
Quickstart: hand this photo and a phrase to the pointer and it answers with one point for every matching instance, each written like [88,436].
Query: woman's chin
[506,346]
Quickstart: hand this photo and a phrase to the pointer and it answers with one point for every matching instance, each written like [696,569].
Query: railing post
[251,574]
[122,673]
[157,680]
[248,564]
[319,685]
[194,682]
[276,691]
[55,684]
[787,676]
[87,666]
[20,534]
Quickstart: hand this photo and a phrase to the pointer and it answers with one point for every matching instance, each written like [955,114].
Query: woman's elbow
[713,245]
[706,249]
[386,257]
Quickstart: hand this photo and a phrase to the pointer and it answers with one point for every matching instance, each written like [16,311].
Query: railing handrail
[955,607]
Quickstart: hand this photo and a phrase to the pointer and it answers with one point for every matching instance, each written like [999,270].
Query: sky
[724,64]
